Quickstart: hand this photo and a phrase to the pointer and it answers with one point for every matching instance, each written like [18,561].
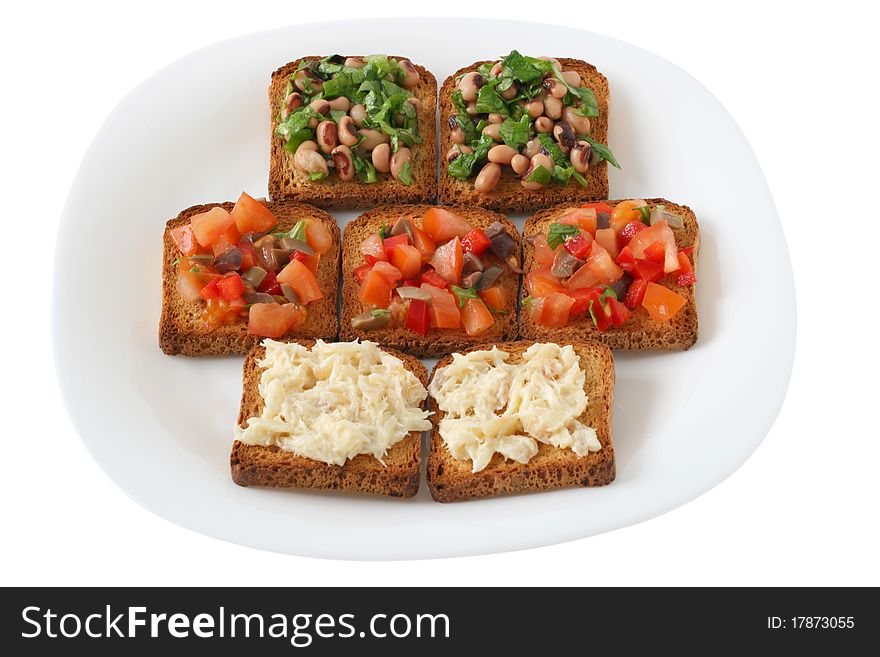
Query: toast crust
[640,332]
[451,480]
[181,329]
[437,342]
[285,183]
[510,195]
[272,467]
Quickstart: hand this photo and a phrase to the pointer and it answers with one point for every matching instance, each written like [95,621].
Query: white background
[803,510]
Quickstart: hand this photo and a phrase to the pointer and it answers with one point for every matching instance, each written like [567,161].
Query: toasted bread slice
[640,332]
[181,328]
[510,195]
[286,183]
[450,479]
[437,342]
[259,465]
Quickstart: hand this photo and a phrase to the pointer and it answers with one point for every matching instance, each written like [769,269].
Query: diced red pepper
[581,298]
[270,285]
[231,286]
[475,242]
[310,261]
[687,250]
[247,254]
[212,289]
[598,207]
[619,312]
[630,230]
[598,311]
[578,246]
[410,283]
[685,274]
[626,260]
[656,252]
[431,277]
[648,270]
[636,293]
[417,318]
[390,242]
[361,272]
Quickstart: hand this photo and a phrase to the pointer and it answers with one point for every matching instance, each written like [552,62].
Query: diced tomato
[543,253]
[219,311]
[212,289]
[432,278]
[272,320]
[475,242]
[585,218]
[247,254]
[361,272]
[603,266]
[599,207]
[535,308]
[607,239]
[423,242]
[475,317]
[375,290]
[625,259]
[648,270]
[448,260]
[209,226]
[188,288]
[578,245]
[662,303]
[251,216]
[390,242]
[398,310]
[624,212]
[556,309]
[630,230]
[685,274]
[619,312]
[407,259]
[270,284]
[687,251]
[310,261]
[303,281]
[226,241]
[636,293]
[410,283]
[656,252]
[658,232]
[231,286]
[318,237]
[581,298]
[388,271]
[541,283]
[582,278]
[443,225]
[373,249]
[599,312]
[184,239]
[494,297]
[444,308]
[417,319]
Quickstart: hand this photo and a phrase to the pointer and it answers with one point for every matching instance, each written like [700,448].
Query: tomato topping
[226,241]
[656,253]
[581,298]
[543,253]
[318,237]
[184,239]
[388,271]
[599,207]
[444,308]
[624,213]
[494,297]
[541,283]
[475,242]
[407,259]
[212,289]
[607,239]
[390,242]
[636,293]
[662,303]
[361,272]
[423,242]
[625,259]
[603,266]
[630,230]
[417,319]
[247,254]
[535,307]
[220,311]
[556,308]
[687,251]
[648,270]
[434,279]
[578,245]
[375,290]
[251,216]
[582,218]
[373,249]
[685,274]
[443,225]
[231,286]
[272,320]
[209,226]
[448,260]
[303,281]
[599,312]
[619,312]
[310,261]
[475,317]
[658,232]
[582,278]
[270,284]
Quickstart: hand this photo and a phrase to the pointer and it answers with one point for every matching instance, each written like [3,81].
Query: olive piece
[367,321]
[289,293]
[254,276]
[229,261]
[490,275]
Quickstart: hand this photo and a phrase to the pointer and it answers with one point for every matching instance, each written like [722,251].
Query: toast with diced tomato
[637,327]
[182,327]
[436,341]
[287,183]
[271,467]
[451,480]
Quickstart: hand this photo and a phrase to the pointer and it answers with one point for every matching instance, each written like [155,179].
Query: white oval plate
[197,131]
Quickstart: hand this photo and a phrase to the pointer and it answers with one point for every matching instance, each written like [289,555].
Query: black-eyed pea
[534,108]
[372,138]
[494,117]
[488,178]
[309,161]
[580,156]
[381,157]
[501,154]
[326,136]
[401,157]
[320,106]
[341,104]
[358,114]
[493,130]
[469,85]
[347,131]
[544,124]
[412,75]
[343,162]
[553,107]
[519,164]
[572,77]
[580,124]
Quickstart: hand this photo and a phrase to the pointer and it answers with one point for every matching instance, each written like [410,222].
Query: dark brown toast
[181,328]
[437,342]
[285,183]
[258,465]
[510,195]
[640,331]
[450,479]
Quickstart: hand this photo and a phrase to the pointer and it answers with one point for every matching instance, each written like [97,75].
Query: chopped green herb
[524,69]
[298,232]
[601,150]
[516,133]
[380,312]
[539,174]
[364,169]
[176,262]
[383,231]
[405,175]
[527,301]
[592,314]
[556,153]
[489,101]
[318,175]
[558,233]
[463,294]
[645,213]
[609,292]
